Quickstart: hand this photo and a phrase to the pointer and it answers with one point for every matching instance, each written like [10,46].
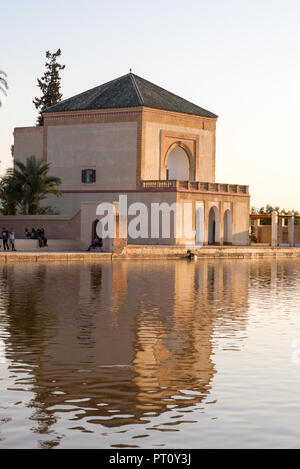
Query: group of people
[37,234]
[8,238]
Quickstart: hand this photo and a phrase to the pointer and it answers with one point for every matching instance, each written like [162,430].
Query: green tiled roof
[129,91]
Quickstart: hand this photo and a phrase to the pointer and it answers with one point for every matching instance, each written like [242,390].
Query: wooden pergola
[259,216]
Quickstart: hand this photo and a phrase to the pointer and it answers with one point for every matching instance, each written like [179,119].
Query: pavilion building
[131,137]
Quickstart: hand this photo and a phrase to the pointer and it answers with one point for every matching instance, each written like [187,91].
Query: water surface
[150,354]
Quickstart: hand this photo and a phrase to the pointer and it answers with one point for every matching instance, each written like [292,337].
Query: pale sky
[238,59]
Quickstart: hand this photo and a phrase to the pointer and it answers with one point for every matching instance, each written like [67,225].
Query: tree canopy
[268,209]
[24,186]
[49,84]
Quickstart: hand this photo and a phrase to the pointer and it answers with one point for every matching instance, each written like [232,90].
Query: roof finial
[130,70]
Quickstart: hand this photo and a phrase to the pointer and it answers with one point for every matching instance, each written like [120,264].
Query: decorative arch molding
[186,151]
[188,142]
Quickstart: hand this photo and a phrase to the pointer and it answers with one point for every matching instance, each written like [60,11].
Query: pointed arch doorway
[214,226]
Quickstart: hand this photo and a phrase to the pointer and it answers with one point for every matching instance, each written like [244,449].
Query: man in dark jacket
[5,239]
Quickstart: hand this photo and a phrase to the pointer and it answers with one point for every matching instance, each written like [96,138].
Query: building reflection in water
[113,344]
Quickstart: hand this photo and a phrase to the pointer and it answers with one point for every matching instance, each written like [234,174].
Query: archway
[94,230]
[178,165]
[228,227]
[213,226]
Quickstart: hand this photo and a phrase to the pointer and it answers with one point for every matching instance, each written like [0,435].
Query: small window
[88,176]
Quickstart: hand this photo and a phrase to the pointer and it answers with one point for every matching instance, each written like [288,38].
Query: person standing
[44,237]
[39,237]
[5,239]
[12,240]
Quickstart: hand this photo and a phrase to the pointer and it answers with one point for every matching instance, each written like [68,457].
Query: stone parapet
[195,186]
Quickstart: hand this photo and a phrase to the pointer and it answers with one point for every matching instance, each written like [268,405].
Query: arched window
[178,166]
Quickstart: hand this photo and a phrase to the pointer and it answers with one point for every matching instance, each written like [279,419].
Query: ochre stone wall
[109,148]
[28,141]
[239,206]
[162,129]
[55,227]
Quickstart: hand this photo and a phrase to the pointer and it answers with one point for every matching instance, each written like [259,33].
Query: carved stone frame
[188,142]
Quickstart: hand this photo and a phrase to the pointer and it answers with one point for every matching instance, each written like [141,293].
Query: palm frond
[3,84]
[32,180]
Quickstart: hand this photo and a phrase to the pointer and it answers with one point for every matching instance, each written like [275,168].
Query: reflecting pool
[150,354]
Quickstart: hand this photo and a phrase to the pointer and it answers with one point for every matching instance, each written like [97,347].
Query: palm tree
[10,195]
[3,84]
[34,183]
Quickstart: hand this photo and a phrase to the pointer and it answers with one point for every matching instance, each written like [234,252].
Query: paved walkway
[151,252]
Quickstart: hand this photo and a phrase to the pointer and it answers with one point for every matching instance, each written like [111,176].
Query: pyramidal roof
[129,91]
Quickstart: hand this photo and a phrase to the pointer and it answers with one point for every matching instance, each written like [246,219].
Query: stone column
[221,211]
[256,231]
[119,243]
[234,223]
[199,223]
[281,221]
[206,213]
[291,230]
[274,230]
